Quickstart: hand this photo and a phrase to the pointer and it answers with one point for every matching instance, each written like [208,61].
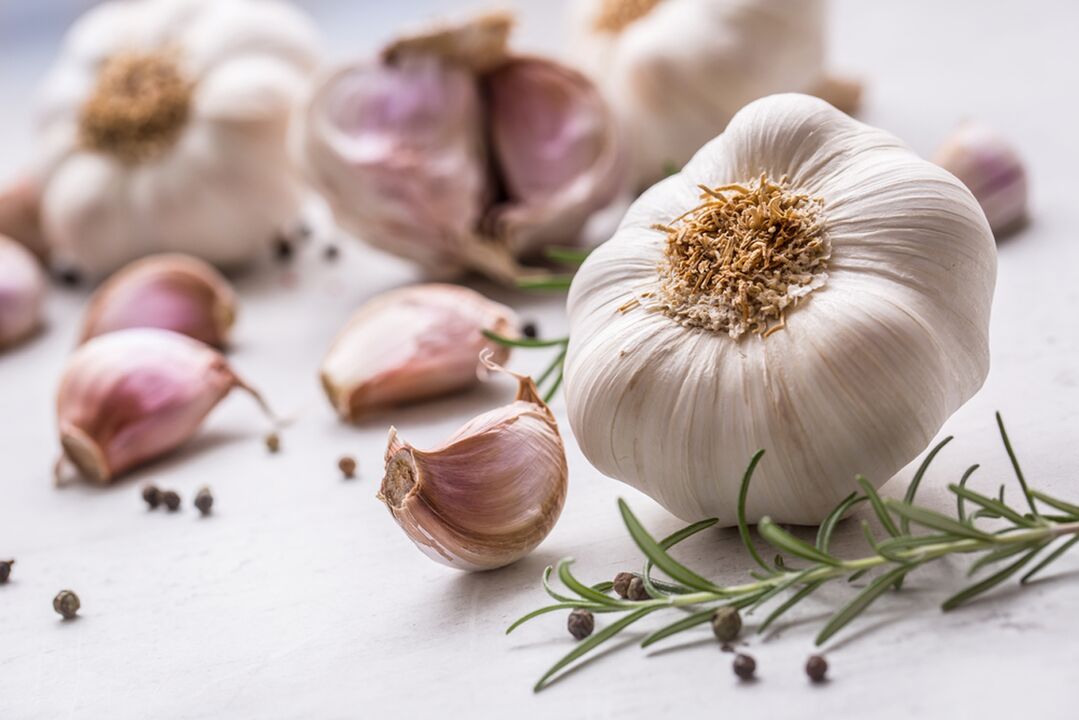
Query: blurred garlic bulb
[22,292]
[453,152]
[806,285]
[171,292]
[164,127]
[676,71]
[411,344]
[133,395]
[991,168]
[490,494]
[20,216]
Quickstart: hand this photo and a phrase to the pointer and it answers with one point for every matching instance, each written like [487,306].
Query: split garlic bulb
[806,285]
[412,344]
[676,71]
[164,127]
[453,152]
[992,169]
[489,494]
[22,292]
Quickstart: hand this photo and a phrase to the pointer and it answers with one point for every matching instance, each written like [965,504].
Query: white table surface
[300,598]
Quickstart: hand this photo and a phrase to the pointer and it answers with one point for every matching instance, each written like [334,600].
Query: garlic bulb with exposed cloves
[411,344]
[22,292]
[164,127]
[133,395]
[490,494]
[454,152]
[676,71]
[172,292]
[991,168]
[806,285]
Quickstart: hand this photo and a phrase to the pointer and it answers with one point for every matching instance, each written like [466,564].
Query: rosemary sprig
[1021,539]
[551,377]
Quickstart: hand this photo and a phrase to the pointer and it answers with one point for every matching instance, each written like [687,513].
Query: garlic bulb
[133,395]
[410,344]
[453,152]
[490,494]
[22,292]
[676,71]
[171,292]
[164,126]
[991,168]
[806,285]
[20,217]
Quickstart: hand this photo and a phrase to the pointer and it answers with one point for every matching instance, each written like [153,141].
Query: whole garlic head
[453,152]
[806,285]
[164,127]
[22,292]
[676,71]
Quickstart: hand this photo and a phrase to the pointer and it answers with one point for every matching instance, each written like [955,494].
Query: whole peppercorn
[529,330]
[726,623]
[5,570]
[69,276]
[347,466]
[581,623]
[66,603]
[171,500]
[273,442]
[204,500]
[282,248]
[330,253]
[621,583]
[636,590]
[816,668]
[744,666]
[152,495]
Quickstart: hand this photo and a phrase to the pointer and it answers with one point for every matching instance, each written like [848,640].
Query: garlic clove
[410,344]
[992,170]
[130,396]
[172,292]
[20,215]
[22,292]
[490,494]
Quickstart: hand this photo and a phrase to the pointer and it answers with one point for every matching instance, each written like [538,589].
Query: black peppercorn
[330,253]
[636,590]
[581,623]
[282,248]
[621,583]
[529,330]
[744,666]
[816,668]
[66,603]
[204,500]
[347,466]
[726,623]
[152,495]
[171,500]
[273,442]
[69,276]
[5,570]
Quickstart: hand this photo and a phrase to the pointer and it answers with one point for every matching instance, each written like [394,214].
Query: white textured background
[300,598]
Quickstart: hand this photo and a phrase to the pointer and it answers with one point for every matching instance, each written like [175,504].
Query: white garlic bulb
[676,71]
[806,285]
[164,128]
[22,292]
[992,169]
[453,152]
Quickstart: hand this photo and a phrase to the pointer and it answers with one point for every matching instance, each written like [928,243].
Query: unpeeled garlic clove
[992,170]
[20,215]
[22,292]
[171,292]
[130,396]
[409,344]
[490,494]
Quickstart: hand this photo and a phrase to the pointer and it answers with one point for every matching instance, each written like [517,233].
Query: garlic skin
[130,396]
[676,71]
[172,292]
[20,215]
[22,292]
[451,151]
[163,128]
[992,169]
[411,344]
[490,494]
[874,349]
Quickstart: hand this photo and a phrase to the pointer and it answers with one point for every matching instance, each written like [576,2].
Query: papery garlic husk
[22,292]
[172,292]
[20,215]
[840,348]
[164,128]
[451,151]
[490,494]
[676,71]
[130,396]
[990,166]
[411,344]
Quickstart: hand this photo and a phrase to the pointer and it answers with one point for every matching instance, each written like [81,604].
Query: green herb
[550,378]
[1022,537]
